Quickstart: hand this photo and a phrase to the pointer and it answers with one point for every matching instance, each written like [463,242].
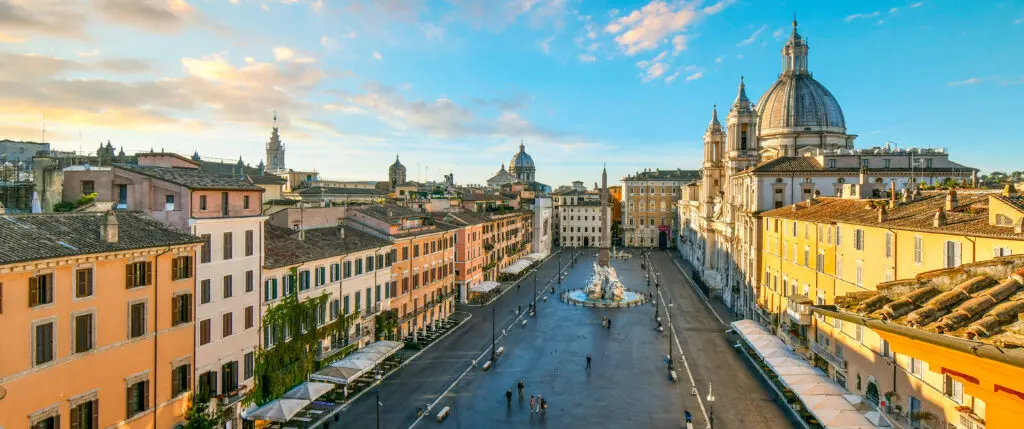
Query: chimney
[817,194]
[951,200]
[302,234]
[1009,190]
[940,218]
[906,195]
[917,192]
[389,212]
[341,230]
[883,214]
[1019,227]
[108,230]
[892,194]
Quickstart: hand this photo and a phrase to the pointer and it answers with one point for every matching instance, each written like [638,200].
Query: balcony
[799,309]
[826,354]
[371,311]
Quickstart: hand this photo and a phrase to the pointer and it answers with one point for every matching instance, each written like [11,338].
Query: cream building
[792,145]
[649,205]
[579,219]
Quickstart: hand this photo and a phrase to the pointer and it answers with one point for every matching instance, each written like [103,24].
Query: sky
[456,85]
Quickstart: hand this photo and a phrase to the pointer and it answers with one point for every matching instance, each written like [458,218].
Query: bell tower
[275,150]
[712,169]
[741,126]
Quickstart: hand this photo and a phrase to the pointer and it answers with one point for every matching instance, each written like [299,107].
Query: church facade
[791,146]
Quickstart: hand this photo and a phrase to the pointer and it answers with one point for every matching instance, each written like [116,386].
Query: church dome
[521,160]
[797,103]
[397,167]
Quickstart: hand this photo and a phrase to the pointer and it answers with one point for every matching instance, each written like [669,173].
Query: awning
[484,287]
[279,410]
[833,406]
[309,390]
[357,363]
[536,256]
[517,266]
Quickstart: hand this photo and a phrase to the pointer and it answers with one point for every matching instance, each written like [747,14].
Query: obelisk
[606,233]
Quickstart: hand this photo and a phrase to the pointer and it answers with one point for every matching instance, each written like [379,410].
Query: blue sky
[454,85]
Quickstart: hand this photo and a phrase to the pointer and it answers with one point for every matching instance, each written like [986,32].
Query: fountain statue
[605,285]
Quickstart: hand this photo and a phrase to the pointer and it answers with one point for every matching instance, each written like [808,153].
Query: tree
[199,415]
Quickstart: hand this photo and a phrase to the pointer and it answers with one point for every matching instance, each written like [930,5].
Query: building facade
[649,206]
[792,145]
[423,272]
[469,249]
[98,320]
[579,219]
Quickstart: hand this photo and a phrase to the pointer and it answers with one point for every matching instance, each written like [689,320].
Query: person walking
[543,406]
[609,323]
[521,386]
[533,401]
[508,397]
[588,361]
[540,399]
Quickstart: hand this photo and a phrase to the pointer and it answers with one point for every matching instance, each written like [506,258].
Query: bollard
[486,366]
[672,375]
[443,414]
[499,351]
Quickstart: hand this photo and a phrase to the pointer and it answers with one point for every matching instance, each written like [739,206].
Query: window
[380,261]
[249,317]
[952,254]
[43,343]
[839,265]
[181,309]
[205,253]
[885,350]
[348,268]
[88,187]
[405,253]
[859,333]
[84,333]
[229,376]
[204,291]
[321,276]
[181,268]
[820,263]
[226,325]
[48,422]
[122,196]
[40,290]
[1002,251]
[415,250]
[860,273]
[227,286]
[168,202]
[249,281]
[83,283]
[204,332]
[335,272]
[138,274]
[918,249]
[248,240]
[953,389]
[345,307]
[85,415]
[838,236]
[916,367]
[208,383]
[223,203]
[137,320]
[180,379]
[858,239]
[807,255]
[138,397]
[245,202]
[227,245]
[202,202]
[248,365]
[888,245]
[270,290]
[304,280]
[359,266]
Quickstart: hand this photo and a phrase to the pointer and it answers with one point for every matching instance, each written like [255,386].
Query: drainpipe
[974,249]
[895,260]
[156,328]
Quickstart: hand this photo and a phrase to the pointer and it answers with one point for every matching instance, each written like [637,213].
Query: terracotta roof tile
[283,246]
[193,179]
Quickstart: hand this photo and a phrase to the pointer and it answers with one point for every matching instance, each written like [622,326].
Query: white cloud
[968,81]
[781,31]
[91,53]
[345,109]
[282,53]
[350,35]
[690,67]
[1018,20]
[377,56]
[545,45]
[646,28]
[739,56]
[672,77]
[433,32]
[678,44]
[695,76]
[316,6]
[753,36]
[916,5]
[587,58]
[328,42]
[654,71]
[718,60]
[850,18]
[894,10]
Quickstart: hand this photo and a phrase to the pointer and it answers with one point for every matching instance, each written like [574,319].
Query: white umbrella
[37,207]
[280,410]
[309,390]
[817,388]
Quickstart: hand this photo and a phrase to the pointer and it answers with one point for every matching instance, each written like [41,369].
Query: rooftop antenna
[44,127]
[80,149]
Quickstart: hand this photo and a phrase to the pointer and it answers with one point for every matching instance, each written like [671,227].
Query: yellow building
[97,320]
[820,249]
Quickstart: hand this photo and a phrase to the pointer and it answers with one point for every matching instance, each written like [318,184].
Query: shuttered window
[86,415]
[181,268]
[83,333]
[40,290]
[83,283]
[249,281]
[205,254]
[137,320]
[226,327]
[43,343]
[180,382]
[228,239]
[138,398]
[138,274]
[249,317]
[249,242]
[204,332]
[181,309]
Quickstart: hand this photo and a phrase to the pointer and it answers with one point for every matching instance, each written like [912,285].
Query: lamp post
[493,336]
[559,272]
[534,299]
[378,377]
[672,332]
[711,408]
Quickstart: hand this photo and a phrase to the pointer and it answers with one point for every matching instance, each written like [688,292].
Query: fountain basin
[580,297]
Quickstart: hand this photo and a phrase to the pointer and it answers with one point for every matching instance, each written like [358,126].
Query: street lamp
[493,336]
[534,299]
[711,407]
[672,332]
[378,377]
[559,272]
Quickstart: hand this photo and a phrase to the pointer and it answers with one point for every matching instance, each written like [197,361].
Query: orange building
[423,286]
[942,349]
[469,251]
[97,321]
[615,200]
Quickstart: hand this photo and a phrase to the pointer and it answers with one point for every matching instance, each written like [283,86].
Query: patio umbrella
[798,379]
[846,419]
[821,405]
[797,370]
[309,390]
[817,388]
[280,410]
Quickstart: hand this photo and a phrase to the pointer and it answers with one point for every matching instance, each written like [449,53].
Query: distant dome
[397,167]
[796,102]
[521,160]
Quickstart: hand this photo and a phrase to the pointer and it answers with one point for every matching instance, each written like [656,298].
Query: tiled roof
[284,248]
[570,193]
[787,164]
[226,168]
[486,197]
[676,174]
[193,179]
[463,218]
[338,191]
[969,217]
[1017,201]
[981,301]
[32,237]
[281,202]
[268,179]
[388,212]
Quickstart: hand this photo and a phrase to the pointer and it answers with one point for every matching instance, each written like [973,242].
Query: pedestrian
[540,399]
[508,397]
[544,406]
[588,361]
[609,323]
[604,321]
[519,286]
[521,386]
[519,309]
[532,402]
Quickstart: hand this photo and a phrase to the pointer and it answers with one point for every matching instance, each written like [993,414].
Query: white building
[579,219]
[790,146]
[543,224]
